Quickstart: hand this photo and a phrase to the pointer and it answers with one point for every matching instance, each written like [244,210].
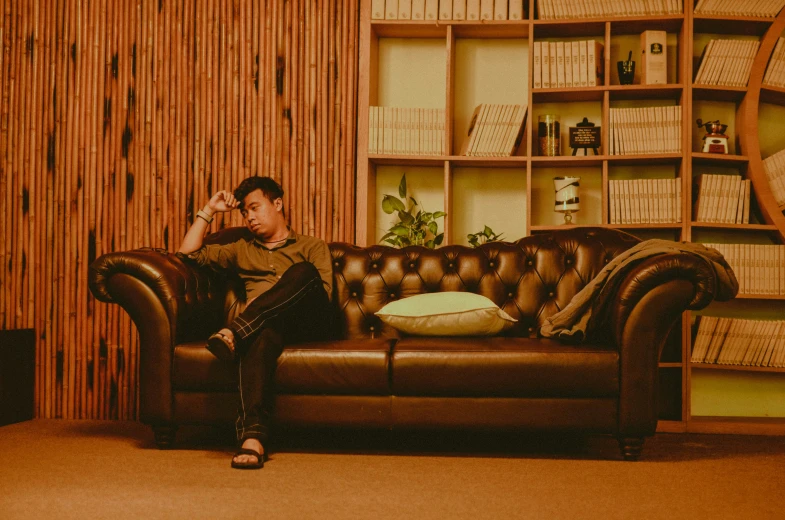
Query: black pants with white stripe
[295,310]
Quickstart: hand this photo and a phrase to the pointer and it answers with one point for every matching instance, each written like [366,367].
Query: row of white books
[644,130]
[722,198]
[561,9]
[733,341]
[406,131]
[447,10]
[568,64]
[775,71]
[494,130]
[762,8]
[644,201]
[727,62]
[759,268]
[774,166]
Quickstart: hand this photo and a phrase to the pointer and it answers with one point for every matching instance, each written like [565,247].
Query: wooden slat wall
[118,120]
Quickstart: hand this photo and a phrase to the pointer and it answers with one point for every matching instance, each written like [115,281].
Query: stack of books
[494,130]
[759,268]
[722,199]
[644,201]
[645,130]
[568,64]
[727,62]
[406,131]
[733,341]
[774,166]
[767,9]
[775,71]
[561,9]
[447,10]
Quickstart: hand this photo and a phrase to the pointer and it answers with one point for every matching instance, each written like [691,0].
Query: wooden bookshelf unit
[456,65]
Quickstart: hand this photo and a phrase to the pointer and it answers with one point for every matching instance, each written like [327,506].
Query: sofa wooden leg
[631,447]
[164,435]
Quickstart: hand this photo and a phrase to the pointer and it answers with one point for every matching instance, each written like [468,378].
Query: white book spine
[500,9]
[418,9]
[560,72]
[404,9]
[432,9]
[377,10]
[537,65]
[515,10]
[486,9]
[458,9]
[391,9]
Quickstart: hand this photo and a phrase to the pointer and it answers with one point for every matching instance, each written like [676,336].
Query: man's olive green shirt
[260,267]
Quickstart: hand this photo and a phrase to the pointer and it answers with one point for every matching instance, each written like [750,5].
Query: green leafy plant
[481,237]
[412,229]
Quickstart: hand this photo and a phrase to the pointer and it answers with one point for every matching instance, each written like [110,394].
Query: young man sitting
[288,282]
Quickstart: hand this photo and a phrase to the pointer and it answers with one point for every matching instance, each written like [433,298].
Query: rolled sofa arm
[170,302]
[641,313]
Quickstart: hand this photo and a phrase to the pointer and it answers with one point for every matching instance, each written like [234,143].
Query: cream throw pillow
[446,314]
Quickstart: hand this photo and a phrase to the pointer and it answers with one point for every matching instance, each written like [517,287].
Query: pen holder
[626,72]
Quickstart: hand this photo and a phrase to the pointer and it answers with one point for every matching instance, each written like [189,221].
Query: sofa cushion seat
[503,367]
[341,367]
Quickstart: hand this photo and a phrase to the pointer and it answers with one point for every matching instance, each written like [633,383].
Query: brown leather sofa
[372,377]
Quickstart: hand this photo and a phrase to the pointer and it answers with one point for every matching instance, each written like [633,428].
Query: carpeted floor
[91,469]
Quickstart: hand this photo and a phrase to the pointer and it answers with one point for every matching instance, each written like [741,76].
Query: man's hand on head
[222,201]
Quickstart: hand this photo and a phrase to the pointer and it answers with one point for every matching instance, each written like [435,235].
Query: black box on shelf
[17,375]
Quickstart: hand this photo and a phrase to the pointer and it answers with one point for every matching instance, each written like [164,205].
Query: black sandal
[219,347]
[260,458]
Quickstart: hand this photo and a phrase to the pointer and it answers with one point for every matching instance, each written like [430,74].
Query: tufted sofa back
[530,279]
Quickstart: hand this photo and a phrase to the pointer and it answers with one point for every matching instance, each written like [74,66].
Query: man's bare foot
[221,344]
[247,459]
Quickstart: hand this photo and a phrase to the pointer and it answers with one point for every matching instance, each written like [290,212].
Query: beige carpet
[91,469]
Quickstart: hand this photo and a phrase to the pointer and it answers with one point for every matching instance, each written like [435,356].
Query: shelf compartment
[735,25]
[487,197]
[633,92]
[590,193]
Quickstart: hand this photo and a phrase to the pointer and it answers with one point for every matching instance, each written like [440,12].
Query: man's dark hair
[271,189]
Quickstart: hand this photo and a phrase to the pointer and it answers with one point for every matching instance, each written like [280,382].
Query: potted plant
[481,237]
[412,229]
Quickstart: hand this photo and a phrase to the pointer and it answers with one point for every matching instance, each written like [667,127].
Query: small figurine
[715,140]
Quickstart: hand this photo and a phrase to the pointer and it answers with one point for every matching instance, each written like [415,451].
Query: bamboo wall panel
[119,119]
